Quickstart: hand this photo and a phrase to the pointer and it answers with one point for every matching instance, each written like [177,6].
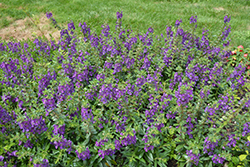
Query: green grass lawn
[138,14]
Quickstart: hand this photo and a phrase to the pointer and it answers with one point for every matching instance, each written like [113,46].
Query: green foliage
[102,103]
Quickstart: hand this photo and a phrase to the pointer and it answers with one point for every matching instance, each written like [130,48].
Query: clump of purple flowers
[217,159]
[83,155]
[209,146]
[112,96]
[44,164]
[194,158]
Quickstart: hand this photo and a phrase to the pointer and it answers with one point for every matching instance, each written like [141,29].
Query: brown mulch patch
[26,29]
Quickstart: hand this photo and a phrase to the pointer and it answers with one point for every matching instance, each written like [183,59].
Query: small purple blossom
[44,164]
[71,26]
[232,140]
[193,19]
[194,158]
[209,146]
[246,129]
[148,147]
[227,19]
[49,15]
[178,22]
[84,155]
[151,30]
[217,159]
[119,15]
[1,158]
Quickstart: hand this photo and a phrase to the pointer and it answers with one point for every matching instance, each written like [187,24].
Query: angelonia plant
[123,99]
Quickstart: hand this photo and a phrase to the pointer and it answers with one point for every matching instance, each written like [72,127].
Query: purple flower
[184,96]
[227,19]
[194,158]
[169,32]
[246,129]
[49,15]
[128,140]
[84,29]
[145,138]
[84,155]
[151,30]
[118,145]
[209,146]
[148,147]
[28,144]
[105,30]
[119,15]
[226,32]
[171,115]
[232,140]
[71,26]
[59,131]
[178,22]
[63,143]
[44,164]
[102,153]
[33,125]
[193,19]
[216,159]
[5,117]
[237,77]
[177,79]
[86,114]
[101,142]
[1,158]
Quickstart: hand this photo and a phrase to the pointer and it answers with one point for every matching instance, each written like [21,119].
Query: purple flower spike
[71,26]
[119,15]
[194,158]
[178,22]
[227,19]
[151,30]
[217,159]
[84,155]
[49,15]
[193,19]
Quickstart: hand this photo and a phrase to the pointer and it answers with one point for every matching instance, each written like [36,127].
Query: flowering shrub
[122,99]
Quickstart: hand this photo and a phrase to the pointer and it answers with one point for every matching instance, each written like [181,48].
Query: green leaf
[182,164]
[155,163]
[150,156]
[230,164]
[141,154]
[210,164]
[178,148]
[100,164]
[108,163]
[132,164]
[113,162]
[87,139]
[235,160]
[242,157]
[59,156]
[140,159]
[189,164]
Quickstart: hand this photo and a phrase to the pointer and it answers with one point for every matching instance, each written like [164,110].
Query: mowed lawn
[138,15]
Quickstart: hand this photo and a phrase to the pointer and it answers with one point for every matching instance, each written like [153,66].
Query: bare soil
[29,28]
